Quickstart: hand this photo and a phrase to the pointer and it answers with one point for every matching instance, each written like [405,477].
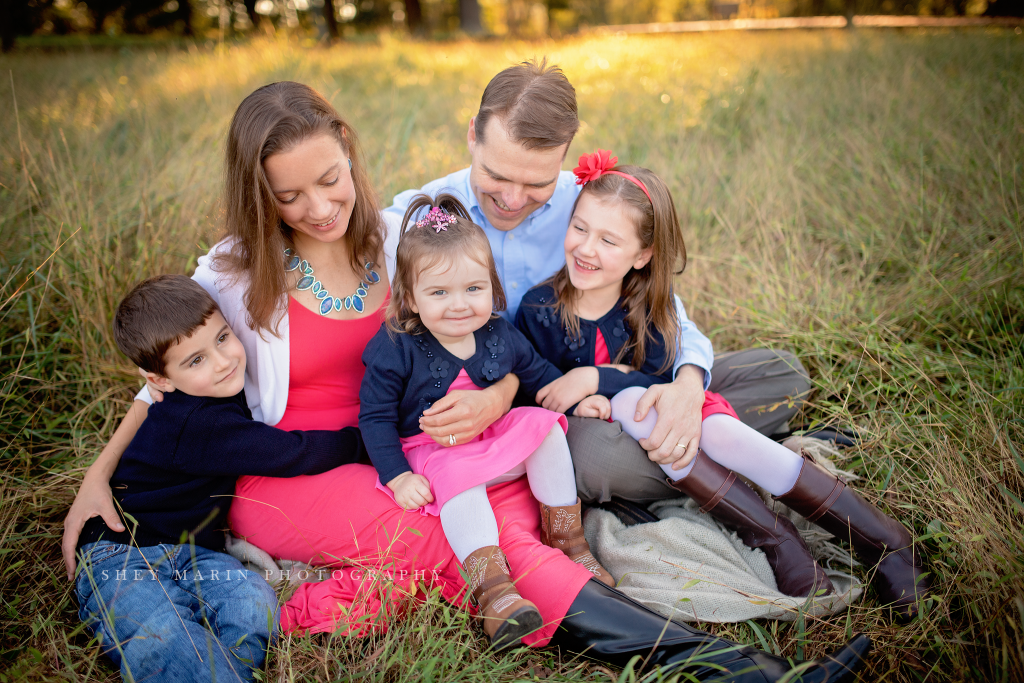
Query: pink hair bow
[437,219]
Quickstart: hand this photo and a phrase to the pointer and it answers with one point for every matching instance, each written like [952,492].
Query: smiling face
[210,362]
[510,181]
[453,300]
[602,245]
[313,188]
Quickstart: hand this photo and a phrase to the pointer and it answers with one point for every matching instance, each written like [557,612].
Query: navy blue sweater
[406,373]
[178,473]
[537,320]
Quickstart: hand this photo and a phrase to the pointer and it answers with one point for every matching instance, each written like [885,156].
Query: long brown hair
[647,291]
[421,249]
[272,120]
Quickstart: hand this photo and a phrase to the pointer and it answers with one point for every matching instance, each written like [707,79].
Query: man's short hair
[535,103]
[158,313]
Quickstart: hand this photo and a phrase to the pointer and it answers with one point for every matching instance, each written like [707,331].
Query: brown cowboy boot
[879,540]
[736,506]
[562,528]
[506,615]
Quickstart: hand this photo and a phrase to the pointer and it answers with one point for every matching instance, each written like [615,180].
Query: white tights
[468,520]
[726,440]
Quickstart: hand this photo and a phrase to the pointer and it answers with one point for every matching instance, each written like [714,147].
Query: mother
[295,181]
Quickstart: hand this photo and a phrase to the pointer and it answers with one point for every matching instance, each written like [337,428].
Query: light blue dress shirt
[532,252]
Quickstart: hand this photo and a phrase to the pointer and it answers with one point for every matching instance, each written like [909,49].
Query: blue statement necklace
[328,302]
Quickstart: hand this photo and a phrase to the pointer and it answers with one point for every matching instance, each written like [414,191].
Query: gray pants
[764,386]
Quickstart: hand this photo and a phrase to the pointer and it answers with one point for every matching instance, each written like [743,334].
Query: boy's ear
[644,258]
[159,381]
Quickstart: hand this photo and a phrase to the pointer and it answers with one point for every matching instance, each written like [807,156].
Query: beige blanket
[689,567]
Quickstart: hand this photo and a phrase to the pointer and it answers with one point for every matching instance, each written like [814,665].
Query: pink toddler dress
[507,442]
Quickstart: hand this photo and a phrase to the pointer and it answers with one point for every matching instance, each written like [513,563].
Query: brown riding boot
[879,541]
[562,528]
[507,616]
[736,506]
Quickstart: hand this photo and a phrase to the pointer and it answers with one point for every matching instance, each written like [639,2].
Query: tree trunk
[185,14]
[332,20]
[1005,8]
[8,26]
[469,17]
[250,9]
[414,16]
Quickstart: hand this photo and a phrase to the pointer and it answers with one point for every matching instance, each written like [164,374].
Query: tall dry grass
[854,196]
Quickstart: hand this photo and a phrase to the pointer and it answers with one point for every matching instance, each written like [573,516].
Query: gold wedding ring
[451,439]
[681,445]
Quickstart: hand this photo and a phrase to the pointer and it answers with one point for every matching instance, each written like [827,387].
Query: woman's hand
[569,389]
[594,406]
[465,414]
[94,497]
[412,491]
[155,392]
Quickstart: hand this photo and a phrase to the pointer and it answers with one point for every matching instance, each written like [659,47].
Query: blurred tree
[553,7]
[100,10]
[250,9]
[469,17]
[331,18]
[414,16]
[1005,8]
[16,18]
[143,16]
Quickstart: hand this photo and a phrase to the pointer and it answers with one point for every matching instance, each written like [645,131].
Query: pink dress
[338,519]
[713,403]
[454,469]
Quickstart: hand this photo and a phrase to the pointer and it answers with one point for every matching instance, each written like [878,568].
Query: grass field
[852,195]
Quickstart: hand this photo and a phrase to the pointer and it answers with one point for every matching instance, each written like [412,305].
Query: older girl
[612,304]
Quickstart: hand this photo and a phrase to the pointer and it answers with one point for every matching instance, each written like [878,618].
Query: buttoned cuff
[707,371]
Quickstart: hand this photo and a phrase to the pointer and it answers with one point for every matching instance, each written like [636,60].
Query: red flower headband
[601,162]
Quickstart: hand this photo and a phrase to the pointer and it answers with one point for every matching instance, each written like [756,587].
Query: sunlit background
[852,195]
[325,19]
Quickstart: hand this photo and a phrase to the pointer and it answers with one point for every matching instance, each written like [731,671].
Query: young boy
[168,604]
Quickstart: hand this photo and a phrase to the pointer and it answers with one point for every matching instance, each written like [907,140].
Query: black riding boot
[605,625]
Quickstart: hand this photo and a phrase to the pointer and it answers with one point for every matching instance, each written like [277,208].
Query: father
[515,189]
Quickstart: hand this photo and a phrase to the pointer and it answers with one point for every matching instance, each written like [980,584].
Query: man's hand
[412,491]
[465,414]
[676,435]
[569,389]
[594,406]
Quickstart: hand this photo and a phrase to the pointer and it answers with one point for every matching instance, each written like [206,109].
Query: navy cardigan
[537,320]
[178,474]
[406,373]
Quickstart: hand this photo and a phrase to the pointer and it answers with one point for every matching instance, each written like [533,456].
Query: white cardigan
[267,357]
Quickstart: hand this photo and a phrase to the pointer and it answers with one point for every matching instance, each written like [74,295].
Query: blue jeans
[176,613]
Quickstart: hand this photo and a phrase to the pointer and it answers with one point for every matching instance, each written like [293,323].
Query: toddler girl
[604,320]
[441,335]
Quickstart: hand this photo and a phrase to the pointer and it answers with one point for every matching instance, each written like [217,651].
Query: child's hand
[570,388]
[594,406]
[411,491]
